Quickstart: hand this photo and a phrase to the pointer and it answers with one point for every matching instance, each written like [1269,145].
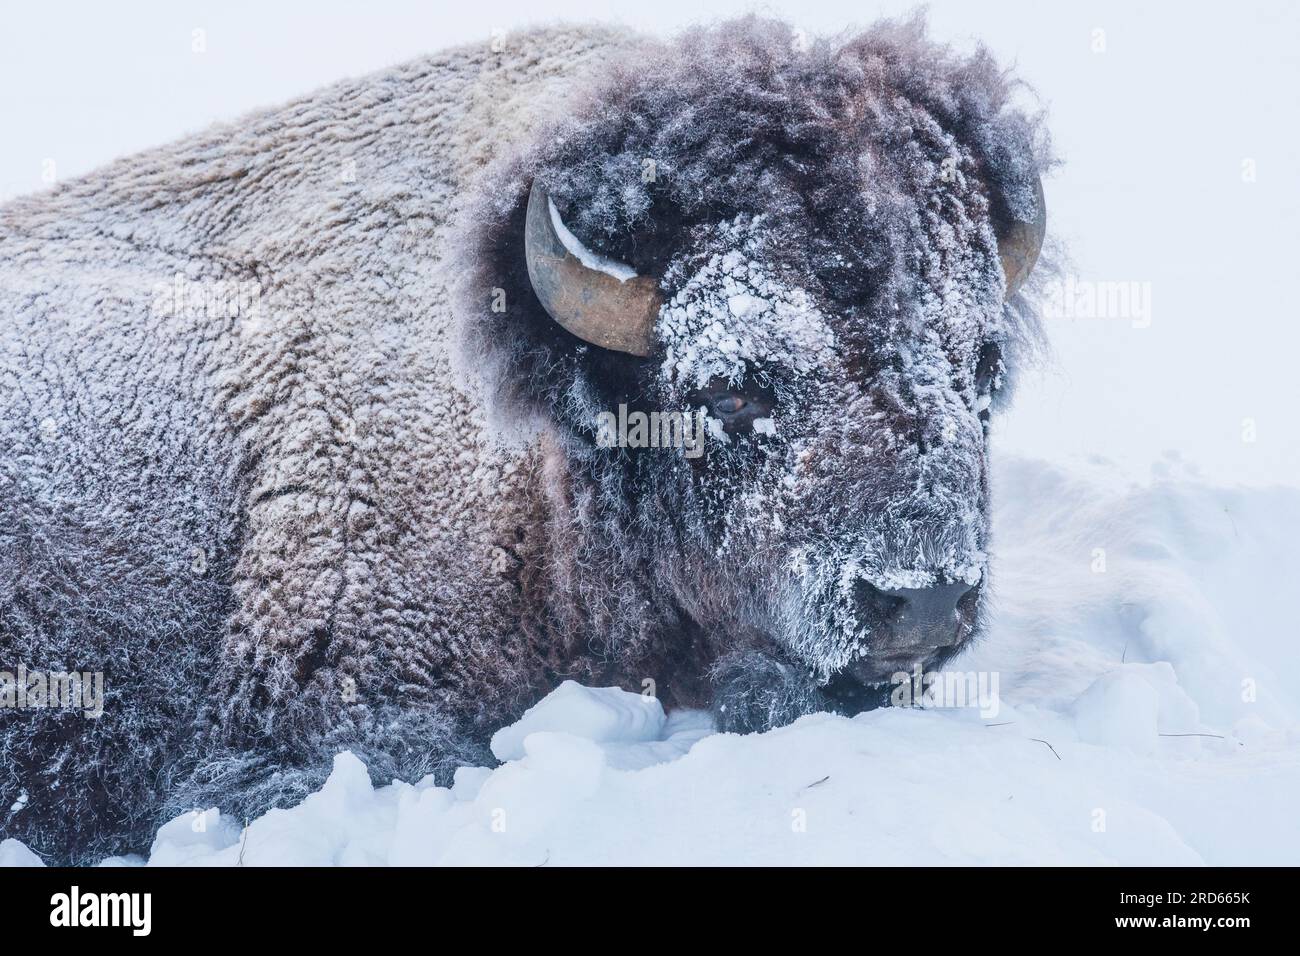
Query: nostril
[880,605]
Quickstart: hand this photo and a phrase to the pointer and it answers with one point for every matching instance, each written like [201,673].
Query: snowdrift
[1146,712]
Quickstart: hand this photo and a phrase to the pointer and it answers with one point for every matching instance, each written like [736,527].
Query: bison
[299,441]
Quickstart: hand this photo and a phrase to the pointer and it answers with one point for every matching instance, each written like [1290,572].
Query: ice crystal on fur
[730,316]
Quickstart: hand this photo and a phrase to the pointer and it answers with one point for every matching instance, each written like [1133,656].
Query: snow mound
[13,853]
[1147,714]
[605,714]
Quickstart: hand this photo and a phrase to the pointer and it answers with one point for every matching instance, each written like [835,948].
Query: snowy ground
[1147,713]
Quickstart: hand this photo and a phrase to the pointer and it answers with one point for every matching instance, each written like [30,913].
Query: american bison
[300,441]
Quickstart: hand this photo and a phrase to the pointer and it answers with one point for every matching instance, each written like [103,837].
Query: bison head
[819,245]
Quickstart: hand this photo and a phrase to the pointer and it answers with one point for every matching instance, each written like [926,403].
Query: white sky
[1153,132]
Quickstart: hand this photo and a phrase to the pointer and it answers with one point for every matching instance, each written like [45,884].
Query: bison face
[843,484]
[818,252]
[844,474]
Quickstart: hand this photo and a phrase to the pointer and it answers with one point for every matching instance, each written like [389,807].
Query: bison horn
[600,301]
[1020,242]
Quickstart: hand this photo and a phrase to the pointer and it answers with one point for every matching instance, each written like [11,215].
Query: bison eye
[737,407]
[729,404]
[988,376]
[988,371]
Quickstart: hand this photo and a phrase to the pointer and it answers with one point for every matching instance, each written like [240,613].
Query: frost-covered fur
[288,522]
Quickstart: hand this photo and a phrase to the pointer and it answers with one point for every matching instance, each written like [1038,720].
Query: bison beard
[365,510]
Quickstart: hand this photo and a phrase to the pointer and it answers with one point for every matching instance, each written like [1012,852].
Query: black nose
[916,616]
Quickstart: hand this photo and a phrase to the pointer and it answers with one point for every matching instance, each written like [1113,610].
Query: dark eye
[988,371]
[988,376]
[736,405]
[728,404]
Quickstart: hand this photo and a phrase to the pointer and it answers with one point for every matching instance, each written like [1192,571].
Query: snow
[589,258]
[13,853]
[731,314]
[598,714]
[1147,714]
[1119,709]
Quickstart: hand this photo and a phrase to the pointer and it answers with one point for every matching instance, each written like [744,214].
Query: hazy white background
[1154,132]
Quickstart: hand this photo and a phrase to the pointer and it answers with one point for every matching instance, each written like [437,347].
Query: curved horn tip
[593,305]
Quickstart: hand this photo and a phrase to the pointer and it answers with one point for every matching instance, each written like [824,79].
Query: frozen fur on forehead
[744,118]
[721,111]
[730,316]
